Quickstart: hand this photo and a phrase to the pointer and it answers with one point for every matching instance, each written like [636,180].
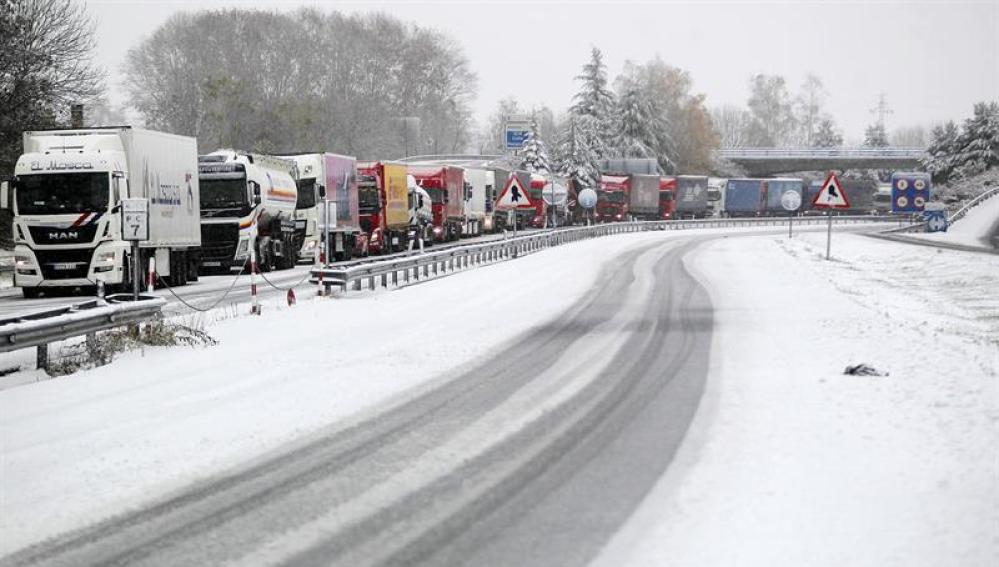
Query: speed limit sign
[135,219]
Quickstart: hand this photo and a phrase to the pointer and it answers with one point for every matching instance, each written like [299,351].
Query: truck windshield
[222,193]
[436,195]
[306,194]
[367,198]
[665,196]
[612,196]
[62,193]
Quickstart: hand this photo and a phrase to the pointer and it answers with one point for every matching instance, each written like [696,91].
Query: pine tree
[576,160]
[637,126]
[875,136]
[826,135]
[593,106]
[534,152]
[944,145]
[979,141]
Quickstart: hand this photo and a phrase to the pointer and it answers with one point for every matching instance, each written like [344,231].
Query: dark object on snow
[863,370]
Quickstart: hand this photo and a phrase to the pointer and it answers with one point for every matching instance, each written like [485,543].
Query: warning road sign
[831,195]
[514,196]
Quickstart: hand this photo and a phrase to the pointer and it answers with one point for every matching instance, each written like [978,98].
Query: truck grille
[79,235]
[218,242]
[65,264]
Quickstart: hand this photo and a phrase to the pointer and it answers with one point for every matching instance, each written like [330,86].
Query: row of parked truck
[210,213]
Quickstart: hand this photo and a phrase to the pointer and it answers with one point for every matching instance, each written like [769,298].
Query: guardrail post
[42,357]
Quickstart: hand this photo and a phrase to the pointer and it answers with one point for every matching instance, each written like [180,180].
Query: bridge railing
[842,152]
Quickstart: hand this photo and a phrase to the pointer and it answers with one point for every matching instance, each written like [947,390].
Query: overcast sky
[932,59]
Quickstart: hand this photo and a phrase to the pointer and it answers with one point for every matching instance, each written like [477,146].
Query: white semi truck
[479,204]
[67,190]
[248,200]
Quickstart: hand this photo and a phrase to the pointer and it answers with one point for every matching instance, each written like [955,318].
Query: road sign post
[830,197]
[513,197]
[791,201]
[135,228]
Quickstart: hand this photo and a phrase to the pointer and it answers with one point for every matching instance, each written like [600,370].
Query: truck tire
[178,268]
[31,292]
[193,262]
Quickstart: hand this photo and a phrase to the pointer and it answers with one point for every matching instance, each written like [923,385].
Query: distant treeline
[369,86]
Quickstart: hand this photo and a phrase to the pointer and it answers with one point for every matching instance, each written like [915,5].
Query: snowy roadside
[77,448]
[790,462]
[975,229]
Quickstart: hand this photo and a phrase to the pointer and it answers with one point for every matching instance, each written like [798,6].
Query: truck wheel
[192,267]
[31,292]
[178,271]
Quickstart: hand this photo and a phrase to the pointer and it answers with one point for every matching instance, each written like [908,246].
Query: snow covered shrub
[102,349]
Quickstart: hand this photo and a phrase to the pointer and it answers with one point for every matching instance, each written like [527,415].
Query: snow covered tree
[808,109]
[593,106]
[576,159]
[772,108]
[637,124]
[940,156]
[875,136]
[826,135]
[979,141]
[534,153]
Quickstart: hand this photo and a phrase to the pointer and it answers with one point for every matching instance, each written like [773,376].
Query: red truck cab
[612,198]
[446,187]
[667,198]
[382,201]
[538,218]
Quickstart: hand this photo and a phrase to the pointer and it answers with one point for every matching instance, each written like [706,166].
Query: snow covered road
[385,486]
[794,462]
[790,462]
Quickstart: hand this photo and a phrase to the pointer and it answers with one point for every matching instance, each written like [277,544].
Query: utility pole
[882,109]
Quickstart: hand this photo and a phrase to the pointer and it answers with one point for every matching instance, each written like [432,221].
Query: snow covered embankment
[975,229]
[790,462]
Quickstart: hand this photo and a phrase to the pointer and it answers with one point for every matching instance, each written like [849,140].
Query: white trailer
[67,190]
[479,204]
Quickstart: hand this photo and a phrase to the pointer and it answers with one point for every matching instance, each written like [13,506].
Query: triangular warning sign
[831,195]
[513,196]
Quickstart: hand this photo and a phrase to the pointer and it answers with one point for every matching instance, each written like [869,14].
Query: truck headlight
[24,266]
[105,261]
[243,248]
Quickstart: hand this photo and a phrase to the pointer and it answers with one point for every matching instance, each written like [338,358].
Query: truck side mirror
[419,201]
[322,191]
[4,195]
[256,192]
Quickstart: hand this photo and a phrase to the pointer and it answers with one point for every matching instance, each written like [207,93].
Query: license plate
[212,264]
[65,266]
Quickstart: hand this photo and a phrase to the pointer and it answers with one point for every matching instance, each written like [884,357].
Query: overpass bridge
[770,161]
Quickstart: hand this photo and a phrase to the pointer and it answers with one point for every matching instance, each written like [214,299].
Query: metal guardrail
[788,153]
[396,271]
[919,225]
[42,328]
[972,204]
